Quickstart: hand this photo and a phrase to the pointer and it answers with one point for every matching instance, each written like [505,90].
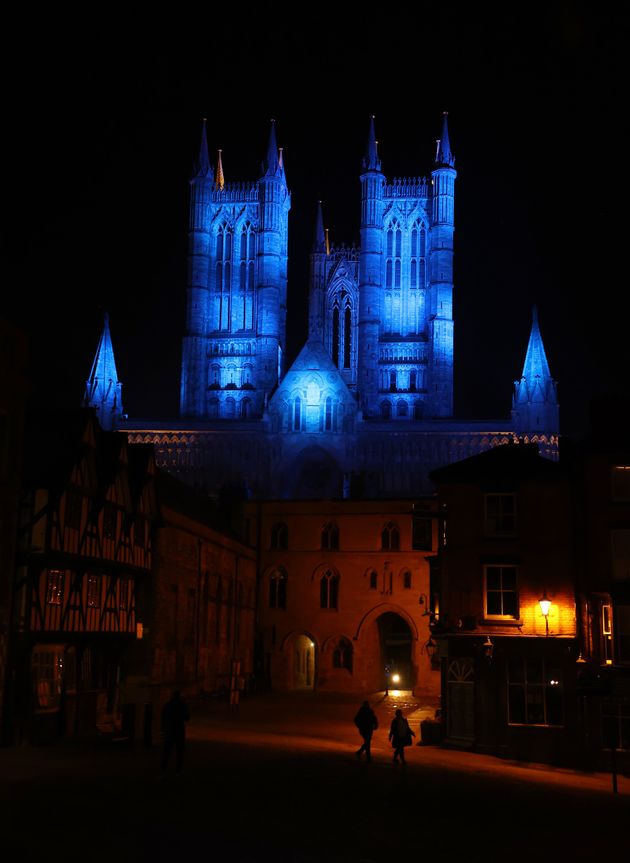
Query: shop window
[534,692]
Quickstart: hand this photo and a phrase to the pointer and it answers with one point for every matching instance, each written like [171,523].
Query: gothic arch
[384,607]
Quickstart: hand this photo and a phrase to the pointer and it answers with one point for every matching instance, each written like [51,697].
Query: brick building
[345,594]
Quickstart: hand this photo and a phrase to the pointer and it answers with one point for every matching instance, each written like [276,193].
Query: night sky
[103,129]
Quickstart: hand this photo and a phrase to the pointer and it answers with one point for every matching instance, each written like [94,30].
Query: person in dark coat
[400,735]
[175,715]
[367,723]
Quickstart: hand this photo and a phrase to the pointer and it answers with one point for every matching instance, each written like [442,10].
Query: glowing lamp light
[545,605]
[395,678]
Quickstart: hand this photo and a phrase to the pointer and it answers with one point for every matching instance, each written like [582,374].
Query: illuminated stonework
[366,409]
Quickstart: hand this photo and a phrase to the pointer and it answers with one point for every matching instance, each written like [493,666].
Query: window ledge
[497,621]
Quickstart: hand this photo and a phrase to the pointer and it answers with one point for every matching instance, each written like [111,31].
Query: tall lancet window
[393,277]
[417,275]
[341,331]
[244,315]
[223,283]
[335,335]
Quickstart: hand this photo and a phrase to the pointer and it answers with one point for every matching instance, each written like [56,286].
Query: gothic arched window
[221,311]
[280,536]
[213,408]
[386,410]
[246,409]
[342,654]
[230,408]
[413,380]
[330,537]
[297,414]
[328,589]
[373,579]
[278,589]
[246,282]
[418,255]
[402,409]
[393,255]
[393,380]
[328,418]
[390,537]
[406,578]
[335,335]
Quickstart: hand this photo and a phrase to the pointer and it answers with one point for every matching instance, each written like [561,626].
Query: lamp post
[545,605]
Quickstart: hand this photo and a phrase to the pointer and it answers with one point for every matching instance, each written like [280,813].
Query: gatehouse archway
[396,652]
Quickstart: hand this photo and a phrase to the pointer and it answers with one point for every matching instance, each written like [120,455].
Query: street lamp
[545,605]
[488,648]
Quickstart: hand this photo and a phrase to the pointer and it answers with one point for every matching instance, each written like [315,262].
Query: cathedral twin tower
[378,359]
[383,312]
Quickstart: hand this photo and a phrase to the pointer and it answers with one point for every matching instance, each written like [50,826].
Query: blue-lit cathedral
[366,408]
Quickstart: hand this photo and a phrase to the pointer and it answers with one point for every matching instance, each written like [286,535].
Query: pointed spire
[219,179]
[535,400]
[203,167]
[536,365]
[444,157]
[371,161]
[271,163]
[319,239]
[103,389]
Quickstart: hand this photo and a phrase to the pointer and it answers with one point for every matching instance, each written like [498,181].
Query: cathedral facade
[366,408]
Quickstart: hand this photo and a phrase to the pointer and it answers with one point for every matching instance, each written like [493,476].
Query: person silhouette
[175,715]
[367,723]
[400,735]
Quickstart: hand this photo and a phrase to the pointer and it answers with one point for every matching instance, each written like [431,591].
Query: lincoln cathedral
[366,408]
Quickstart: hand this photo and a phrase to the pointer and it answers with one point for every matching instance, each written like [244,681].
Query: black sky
[104,127]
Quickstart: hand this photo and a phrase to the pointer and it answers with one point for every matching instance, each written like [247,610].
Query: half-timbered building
[84,566]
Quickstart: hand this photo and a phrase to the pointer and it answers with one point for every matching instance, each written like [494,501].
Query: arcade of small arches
[329,582]
[329,537]
[386,641]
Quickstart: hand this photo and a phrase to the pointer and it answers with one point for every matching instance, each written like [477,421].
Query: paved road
[277,780]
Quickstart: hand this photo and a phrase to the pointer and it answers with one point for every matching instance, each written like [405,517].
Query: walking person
[367,723]
[400,735]
[175,715]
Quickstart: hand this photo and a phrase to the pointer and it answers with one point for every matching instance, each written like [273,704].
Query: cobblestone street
[277,779]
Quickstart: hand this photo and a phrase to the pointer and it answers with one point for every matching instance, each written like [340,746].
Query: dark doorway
[396,642]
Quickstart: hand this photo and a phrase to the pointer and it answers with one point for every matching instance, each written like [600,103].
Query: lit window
[328,589]
[54,587]
[501,596]
[500,512]
[390,537]
[534,692]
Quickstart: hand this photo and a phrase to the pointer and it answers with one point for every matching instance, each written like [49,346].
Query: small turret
[203,168]
[444,157]
[535,409]
[272,165]
[219,179]
[103,390]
